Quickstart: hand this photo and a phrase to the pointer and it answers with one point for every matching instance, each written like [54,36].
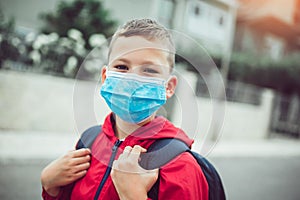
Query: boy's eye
[121,67]
[150,70]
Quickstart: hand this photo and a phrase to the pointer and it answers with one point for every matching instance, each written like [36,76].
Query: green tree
[282,75]
[8,48]
[87,16]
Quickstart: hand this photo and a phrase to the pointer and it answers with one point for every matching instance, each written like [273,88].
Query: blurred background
[254,44]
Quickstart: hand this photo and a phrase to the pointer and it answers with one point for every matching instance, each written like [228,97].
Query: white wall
[35,102]
[242,121]
[46,103]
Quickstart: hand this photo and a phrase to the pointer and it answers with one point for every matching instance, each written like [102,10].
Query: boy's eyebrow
[122,60]
[146,62]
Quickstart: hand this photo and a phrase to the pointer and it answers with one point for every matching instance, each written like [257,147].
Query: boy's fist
[65,170]
[130,179]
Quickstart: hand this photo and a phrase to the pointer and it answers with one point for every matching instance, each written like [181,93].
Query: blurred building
[270,27]
[211,23]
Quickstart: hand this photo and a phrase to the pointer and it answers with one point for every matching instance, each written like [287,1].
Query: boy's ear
[103,74]
[171,86]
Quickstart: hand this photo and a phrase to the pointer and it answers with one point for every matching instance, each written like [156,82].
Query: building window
[274,47]
[207,21]
[197,10]
[221,20]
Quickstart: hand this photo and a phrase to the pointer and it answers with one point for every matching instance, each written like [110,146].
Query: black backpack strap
[88,137]
[161,152]
[158,154]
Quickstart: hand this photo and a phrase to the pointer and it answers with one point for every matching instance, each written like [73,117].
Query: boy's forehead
[127,45]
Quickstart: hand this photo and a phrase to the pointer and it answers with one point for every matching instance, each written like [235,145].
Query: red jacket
[181,178]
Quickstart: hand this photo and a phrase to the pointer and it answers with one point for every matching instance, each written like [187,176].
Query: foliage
[69,34]
[87,16]
[8,41]
[282,75]
[60,55]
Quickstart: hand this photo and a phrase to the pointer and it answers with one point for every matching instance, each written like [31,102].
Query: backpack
[161,152]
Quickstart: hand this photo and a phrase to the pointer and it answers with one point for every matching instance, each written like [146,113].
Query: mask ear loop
[169,78]
[107,69]
[167,83]
[101,77]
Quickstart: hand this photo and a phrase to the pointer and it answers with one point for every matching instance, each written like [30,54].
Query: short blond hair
[150,30]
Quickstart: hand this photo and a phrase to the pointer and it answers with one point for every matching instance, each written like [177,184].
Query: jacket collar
[158,128]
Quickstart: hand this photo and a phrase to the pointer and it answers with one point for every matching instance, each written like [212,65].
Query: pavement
[31,145]
[253,169]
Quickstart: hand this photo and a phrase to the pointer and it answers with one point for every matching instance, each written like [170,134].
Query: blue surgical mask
[132,97]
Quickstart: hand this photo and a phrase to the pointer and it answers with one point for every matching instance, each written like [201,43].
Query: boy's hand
[65,170]
[131,180]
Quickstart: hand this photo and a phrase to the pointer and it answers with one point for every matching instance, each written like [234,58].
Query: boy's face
[138,55]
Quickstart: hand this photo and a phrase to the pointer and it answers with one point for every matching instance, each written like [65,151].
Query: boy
[136,82]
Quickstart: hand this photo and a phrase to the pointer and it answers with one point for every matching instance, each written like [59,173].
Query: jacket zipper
[108,169]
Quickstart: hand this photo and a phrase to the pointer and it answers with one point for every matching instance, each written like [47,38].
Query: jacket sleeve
[183,179]
[64,194]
